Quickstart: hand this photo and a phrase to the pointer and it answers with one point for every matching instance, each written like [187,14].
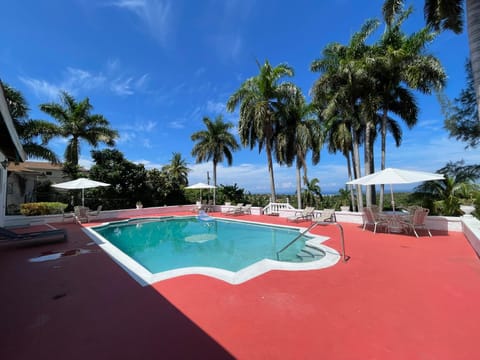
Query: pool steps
[309,253]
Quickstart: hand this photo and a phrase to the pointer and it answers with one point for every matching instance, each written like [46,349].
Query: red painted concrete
[398,297]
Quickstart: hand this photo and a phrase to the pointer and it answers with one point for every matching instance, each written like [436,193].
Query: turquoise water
[185,242]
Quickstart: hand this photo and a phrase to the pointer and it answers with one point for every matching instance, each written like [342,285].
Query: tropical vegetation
[364,90]
[29,130]
[77,124]
[216,143]
[262,100]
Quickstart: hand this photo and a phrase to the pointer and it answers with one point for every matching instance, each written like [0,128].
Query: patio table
[394,220]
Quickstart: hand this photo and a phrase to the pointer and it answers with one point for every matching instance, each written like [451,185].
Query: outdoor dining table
[394,220]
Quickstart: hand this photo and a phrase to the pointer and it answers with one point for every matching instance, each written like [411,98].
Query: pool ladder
[309,251]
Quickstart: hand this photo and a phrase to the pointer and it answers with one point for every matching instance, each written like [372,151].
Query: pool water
[175,243]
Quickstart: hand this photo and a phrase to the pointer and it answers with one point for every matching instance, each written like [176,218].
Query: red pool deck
[398,297]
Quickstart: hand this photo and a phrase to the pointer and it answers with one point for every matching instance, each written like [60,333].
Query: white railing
[274,208]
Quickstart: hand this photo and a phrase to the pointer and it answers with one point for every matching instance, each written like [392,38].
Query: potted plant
[139,205]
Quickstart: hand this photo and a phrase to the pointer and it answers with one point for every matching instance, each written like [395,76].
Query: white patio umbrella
[396,176]
[200,186]
[80,183]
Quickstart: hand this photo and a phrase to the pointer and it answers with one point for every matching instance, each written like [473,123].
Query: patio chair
[417,221]
[236,210]
[32,238]
[326,215]
[305,214]
[370,218]
[94,212]
[81,214]
[247,209]
[68,215]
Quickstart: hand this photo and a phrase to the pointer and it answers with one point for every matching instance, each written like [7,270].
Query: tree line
[363,90]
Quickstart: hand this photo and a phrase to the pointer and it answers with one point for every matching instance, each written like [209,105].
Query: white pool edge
[145,277]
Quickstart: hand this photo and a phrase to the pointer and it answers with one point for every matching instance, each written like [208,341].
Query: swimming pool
[153,249]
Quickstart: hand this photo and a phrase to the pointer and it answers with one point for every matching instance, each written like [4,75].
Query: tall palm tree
[448,15]
[302,134]
[344,82]
[29,130]
[261,99]
[401,65]
[76,123]
[215,143]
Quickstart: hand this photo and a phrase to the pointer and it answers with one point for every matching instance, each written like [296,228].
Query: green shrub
[42,208]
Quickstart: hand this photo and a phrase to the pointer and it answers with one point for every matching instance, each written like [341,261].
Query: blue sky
[155,68]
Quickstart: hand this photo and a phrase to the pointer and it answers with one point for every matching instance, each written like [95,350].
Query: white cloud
[77,81]
[122,86]
[42,88]
[177,124]
[155,14]
[216,107]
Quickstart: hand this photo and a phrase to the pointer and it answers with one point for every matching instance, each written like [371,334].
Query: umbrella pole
[83,197]
[392,199]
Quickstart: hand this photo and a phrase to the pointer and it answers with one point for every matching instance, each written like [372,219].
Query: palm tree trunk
[349,169]
[356,168]
[367,159]
[299,186]
[214,181]
[270,171]
[384,147]
[473,27]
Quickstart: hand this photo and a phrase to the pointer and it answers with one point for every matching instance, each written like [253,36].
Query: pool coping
[144,277]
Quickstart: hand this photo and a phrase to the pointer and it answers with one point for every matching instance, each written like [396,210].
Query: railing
[274,208]
[295,239]
[343,254]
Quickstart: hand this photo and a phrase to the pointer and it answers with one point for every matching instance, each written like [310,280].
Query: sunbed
[31,238]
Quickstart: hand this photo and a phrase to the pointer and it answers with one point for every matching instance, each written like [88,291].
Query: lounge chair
[81,214]
[31,238]
[68,215]
[247,209]
[416,221]
[236,210]
[326,215]
[305,214]
[371,218]
[94,212]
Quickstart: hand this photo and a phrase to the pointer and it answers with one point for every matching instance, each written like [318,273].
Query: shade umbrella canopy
[396,176]
[80,183]
[200,186]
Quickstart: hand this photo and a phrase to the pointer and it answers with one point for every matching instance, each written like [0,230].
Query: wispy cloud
[77,81]
[231,19]
[137,133]
[156,15]
[176,124]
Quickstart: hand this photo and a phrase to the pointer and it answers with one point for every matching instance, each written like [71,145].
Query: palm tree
[76,123]
[29,130]
[177,170]
[302,134]
[311,192]
[261,99]
[344,82]
[447,194]
[399,66]
[215,143]
[448,15]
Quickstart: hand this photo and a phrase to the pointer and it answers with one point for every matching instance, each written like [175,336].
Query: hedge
[42,208]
